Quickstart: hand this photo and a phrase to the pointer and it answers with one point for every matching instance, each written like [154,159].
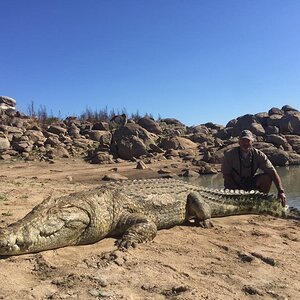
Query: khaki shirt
[235,165]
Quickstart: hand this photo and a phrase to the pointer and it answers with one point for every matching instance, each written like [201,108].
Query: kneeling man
[241,163]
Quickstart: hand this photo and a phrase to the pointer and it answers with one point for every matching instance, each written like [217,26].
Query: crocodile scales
[132,210]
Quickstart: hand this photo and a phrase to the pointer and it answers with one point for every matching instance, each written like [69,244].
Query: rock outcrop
[7,103]
[201,147]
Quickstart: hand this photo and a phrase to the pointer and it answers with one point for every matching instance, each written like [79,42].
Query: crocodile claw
[124,244]
[205,224]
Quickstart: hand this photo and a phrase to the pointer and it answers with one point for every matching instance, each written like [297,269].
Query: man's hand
[282,197]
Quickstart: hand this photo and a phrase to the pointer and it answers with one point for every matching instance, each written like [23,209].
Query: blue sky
[194,60]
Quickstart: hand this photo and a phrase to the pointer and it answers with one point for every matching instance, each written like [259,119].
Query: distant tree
[112,113]
[88,115]
[95,116]
[42,114]
[124,111]
[149,115]
[31,110]
[59,115]
[136,116]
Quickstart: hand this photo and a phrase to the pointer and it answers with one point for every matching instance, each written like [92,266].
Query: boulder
[131,141]
[204,167]
[172,121]
[213,126]
[285,124]
[96,135]
[262,145]
[155,149]
[177,143]
[275,111]
[276,140]
[83,126]
[188,154]
[105,141]
[262,118]
[231,123]
[114,177]
[199,129]
[217,156]
[169,154]
[58,152]
[22,144]
[203,138]
[102,158]
[288,108]
[132,129]
[19,123]
[141,165]
[119,120]
[189,173]
[82,143]
[218,142]
[257,129]
[56,129]
[7,103]
[150,125]
[294,141]
[11,132]
[4,144]
[274,120]
[103,126]
[277,156]
[290,123]
[53,141]
[74,131]
[129,149]
[294,159]
[35,136]
[225,133]
[271,130]
[244,122]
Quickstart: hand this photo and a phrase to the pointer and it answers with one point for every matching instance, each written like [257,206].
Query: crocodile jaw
[46,230]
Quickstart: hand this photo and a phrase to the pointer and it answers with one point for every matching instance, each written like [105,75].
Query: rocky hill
[146,140]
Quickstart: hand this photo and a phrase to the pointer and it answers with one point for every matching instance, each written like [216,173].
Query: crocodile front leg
[138,229]
[199,210]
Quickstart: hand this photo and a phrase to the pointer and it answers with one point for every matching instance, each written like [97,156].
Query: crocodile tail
[293,213]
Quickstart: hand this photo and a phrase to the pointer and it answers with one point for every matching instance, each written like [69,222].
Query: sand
[241,257]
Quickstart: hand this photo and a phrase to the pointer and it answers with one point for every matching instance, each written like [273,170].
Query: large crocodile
[133,210]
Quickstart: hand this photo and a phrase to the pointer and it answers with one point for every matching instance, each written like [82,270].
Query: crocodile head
[45,229]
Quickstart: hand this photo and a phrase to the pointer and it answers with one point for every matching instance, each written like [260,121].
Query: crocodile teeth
[15,248]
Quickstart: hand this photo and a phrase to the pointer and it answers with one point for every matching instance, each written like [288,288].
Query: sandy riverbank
[244,257]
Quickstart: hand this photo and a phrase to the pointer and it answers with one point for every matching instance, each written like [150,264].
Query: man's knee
[267,178]
[264,182]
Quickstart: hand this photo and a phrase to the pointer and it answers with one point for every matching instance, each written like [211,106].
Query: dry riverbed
[241,257]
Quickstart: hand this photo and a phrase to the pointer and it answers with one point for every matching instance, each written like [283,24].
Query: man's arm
[278,183]
[266,165]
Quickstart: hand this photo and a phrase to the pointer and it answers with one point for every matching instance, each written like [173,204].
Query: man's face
[245,144]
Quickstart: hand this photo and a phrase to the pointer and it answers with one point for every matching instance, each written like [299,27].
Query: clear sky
[195,60]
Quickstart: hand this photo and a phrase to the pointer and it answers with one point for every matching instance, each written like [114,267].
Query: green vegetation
[102,115]
[7,214]
[3,197]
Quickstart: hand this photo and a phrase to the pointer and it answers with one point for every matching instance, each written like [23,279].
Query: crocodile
[130,210]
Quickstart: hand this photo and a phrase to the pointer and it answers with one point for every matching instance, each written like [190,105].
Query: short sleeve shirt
[235,165]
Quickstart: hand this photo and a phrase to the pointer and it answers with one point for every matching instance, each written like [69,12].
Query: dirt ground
[241,257]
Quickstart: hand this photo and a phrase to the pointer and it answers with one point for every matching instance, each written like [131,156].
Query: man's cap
[247,134]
